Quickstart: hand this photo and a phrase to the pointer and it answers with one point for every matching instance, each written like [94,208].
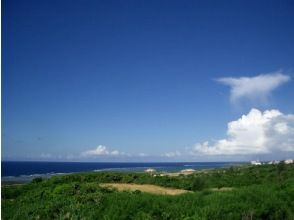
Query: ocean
[26,171]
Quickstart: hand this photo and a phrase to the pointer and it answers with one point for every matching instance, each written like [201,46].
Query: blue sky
[141,80]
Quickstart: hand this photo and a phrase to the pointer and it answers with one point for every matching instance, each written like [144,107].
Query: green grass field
[255,192]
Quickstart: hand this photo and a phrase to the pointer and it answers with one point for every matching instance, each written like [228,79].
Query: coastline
[164,169]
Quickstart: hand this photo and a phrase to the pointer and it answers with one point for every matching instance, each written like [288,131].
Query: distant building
[255,162]
[274,162]
[288,161]
[150,170]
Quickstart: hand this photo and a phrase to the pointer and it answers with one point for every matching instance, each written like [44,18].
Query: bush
[198,184]
[37,180]
[79,196]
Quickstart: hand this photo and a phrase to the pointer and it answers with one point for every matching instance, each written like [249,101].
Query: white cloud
[143,155]
[256,88]
[45,156]
[255,133]
[173,154]
[100,151]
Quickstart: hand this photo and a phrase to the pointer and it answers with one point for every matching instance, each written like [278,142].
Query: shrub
[198,184]
[37,180]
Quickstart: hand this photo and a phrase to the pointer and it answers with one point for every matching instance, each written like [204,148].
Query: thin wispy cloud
[143,155]
[255,133]
[173,154]
[45,156]
[256,88]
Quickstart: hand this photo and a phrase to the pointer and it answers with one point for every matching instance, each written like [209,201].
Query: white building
[255,162]
[274,162]
[150,170]
[288,161]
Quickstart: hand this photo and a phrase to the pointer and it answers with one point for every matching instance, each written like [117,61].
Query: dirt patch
[144,188]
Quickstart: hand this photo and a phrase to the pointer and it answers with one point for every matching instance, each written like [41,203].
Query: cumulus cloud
[101,150]
[256,88]
[255,133]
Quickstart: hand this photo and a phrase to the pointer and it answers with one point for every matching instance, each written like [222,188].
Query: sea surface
[26,171]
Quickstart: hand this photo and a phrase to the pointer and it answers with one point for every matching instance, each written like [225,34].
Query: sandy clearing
[145,188]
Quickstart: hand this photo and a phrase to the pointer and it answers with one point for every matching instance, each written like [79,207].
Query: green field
[250,192]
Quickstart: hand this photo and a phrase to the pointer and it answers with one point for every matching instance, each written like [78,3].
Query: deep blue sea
[17,170]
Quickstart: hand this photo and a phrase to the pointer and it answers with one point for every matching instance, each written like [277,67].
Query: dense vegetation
[259,192]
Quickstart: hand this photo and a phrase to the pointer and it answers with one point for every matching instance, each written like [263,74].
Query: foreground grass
[265,192]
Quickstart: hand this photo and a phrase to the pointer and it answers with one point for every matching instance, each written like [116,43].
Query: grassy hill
[249,192]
